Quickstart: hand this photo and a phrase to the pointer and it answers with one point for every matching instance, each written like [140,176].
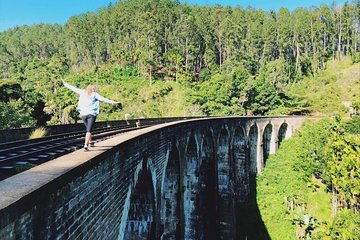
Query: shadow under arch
[140,223]
[284,133]
[266,142]
[171,217]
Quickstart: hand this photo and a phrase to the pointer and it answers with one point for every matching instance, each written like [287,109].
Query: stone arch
[171,197]
[241,164]
[140,223]
[191,189]
[268,142]
[253,147]
[207,188]
[225,197]
[284,133]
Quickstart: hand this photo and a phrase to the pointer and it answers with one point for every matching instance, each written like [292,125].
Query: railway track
[18,156]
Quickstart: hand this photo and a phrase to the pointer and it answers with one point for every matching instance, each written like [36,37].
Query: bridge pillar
[225,195]
[241,161]
[273,141]
[171,198]
[253,149]
[191,189]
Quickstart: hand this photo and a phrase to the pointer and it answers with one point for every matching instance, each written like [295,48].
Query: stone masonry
[179,180]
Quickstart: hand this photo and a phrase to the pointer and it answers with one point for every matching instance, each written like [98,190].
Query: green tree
[343,167]
[175,60]
[15,114]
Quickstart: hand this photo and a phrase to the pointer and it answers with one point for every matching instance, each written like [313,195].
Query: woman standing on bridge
[89,107]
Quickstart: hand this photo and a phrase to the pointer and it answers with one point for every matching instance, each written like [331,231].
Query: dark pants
[89,121]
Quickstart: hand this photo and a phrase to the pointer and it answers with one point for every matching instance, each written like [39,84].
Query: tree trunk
[355,43]
[186,53]
[339,35]
[297,64]
[150,77]
[220,52]
[348,40]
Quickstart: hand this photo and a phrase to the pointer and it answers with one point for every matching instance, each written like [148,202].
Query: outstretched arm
[103,99]
[72,88]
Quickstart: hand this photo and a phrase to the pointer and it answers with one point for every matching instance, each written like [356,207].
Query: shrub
[353,126]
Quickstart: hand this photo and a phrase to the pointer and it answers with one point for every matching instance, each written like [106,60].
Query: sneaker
[86,148]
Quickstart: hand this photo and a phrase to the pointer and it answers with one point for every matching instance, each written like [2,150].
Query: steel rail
[23,157]
[18,156]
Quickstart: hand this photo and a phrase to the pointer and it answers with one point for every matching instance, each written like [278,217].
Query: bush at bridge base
[294,193]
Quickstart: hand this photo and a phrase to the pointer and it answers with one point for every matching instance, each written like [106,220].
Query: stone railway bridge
[179,180]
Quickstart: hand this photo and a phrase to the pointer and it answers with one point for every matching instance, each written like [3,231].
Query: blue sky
[26,12]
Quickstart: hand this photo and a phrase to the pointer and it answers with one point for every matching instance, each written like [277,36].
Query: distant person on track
[89,107]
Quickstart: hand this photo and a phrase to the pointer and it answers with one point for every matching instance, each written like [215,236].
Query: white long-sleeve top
[88,105]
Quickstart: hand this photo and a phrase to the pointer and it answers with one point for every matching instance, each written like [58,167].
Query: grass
[278,181]
[285,195]
[327,91]
[37,133]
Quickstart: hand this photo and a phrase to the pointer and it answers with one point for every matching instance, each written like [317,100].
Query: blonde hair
[90,89]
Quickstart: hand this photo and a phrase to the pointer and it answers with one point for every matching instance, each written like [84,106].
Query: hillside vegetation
[163,58]
[326,92]
[310,188]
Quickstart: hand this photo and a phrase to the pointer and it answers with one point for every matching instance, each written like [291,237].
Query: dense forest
[163,58]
